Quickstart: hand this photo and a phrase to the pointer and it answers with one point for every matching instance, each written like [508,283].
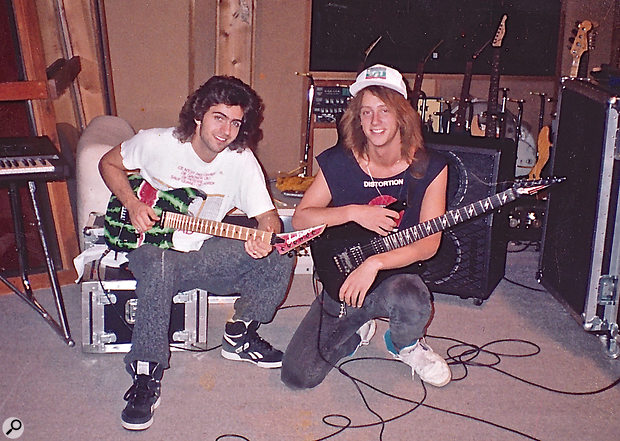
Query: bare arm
[269,221]
[313,210]
[114,175]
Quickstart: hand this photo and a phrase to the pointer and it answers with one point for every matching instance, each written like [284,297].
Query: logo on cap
[376,72]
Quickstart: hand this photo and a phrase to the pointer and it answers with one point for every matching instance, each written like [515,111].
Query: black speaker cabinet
[472,256]
[579,262]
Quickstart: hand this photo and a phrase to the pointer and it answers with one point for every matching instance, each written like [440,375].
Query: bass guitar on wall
[172,207]
[343,248]
[581,44]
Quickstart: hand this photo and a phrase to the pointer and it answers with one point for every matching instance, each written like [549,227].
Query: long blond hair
[409,124]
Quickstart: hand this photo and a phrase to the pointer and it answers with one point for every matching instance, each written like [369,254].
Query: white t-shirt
[234,179]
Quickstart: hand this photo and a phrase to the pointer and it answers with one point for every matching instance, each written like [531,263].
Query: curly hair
[230,91]
[409,126]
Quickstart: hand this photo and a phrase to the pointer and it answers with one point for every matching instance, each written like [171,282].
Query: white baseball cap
[379,75]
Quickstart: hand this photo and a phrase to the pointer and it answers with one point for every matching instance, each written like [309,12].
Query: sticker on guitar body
[180,231]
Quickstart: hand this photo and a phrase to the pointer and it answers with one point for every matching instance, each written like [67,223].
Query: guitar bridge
[348,260]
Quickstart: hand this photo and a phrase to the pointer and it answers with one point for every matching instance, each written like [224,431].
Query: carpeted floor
[523,368]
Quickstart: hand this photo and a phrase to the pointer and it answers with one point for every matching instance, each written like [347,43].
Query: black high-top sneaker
[143,396]
[241,342]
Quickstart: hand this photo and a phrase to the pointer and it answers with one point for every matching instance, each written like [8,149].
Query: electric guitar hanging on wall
[171,206]
[343,248]
[492,120]
[461,123]
[582,43]
[578,50]
[416,92]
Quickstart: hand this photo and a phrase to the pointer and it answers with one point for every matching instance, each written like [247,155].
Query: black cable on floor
[522,285]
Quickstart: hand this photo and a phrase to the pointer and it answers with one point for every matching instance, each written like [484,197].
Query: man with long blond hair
[379,163]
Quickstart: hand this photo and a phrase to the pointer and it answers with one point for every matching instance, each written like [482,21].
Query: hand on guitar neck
[172,208]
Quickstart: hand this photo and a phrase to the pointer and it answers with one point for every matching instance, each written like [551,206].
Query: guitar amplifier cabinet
[109,306]
[580,255]
[471,259]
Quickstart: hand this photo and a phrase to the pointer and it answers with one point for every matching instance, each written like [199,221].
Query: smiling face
[218,128]
[379,122]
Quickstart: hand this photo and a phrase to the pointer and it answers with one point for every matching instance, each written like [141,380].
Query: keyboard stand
[62,328]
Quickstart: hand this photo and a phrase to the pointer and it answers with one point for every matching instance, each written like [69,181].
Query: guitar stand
[62,328]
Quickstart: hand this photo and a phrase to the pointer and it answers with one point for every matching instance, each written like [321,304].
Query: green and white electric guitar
[171,206]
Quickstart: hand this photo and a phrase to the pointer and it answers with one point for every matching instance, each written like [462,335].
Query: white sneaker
[366,332]
[431,367]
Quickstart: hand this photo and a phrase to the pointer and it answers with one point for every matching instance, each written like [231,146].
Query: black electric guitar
[171,206]
[461,123]
[416,92]
[343,248]
[493,121]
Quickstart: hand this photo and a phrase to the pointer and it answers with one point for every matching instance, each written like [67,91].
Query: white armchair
[102,134]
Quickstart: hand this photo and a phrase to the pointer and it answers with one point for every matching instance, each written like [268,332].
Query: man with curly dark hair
[210,150]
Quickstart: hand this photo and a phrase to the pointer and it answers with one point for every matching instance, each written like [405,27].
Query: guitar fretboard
[492,103]
[443,222]
[194,224]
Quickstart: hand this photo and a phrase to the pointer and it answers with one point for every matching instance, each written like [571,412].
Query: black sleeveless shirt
[350,184]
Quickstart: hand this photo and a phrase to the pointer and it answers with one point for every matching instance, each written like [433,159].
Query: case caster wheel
[478,302]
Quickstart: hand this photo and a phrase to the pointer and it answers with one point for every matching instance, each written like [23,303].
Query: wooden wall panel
[235,42]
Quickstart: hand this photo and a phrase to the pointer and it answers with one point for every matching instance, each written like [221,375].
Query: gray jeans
[220,266]
[323,338]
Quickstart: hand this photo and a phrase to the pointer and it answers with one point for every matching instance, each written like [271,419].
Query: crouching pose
[379,178]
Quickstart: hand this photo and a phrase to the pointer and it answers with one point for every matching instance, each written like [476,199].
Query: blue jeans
[220,266]
[323,338]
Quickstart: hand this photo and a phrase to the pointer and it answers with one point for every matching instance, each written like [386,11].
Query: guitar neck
[574,67]
[491,119]
[461,113]
[416,93]
[582,69]
[443,222]
[194,224]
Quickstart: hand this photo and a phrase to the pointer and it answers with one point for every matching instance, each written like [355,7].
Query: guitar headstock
[528,187]
[285,242]
[581,40]
[501,31]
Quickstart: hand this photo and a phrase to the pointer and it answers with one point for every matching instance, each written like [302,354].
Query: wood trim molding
[27,22]
[23,90]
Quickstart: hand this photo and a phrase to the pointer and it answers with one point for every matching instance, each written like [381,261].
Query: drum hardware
[434,111]
[468,112]
[444,117]
[541,113]
[519,115]
[500,129]
[497,118]
[526,143]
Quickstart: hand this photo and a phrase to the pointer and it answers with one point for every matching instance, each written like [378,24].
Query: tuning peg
[573,31]
[571,40]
